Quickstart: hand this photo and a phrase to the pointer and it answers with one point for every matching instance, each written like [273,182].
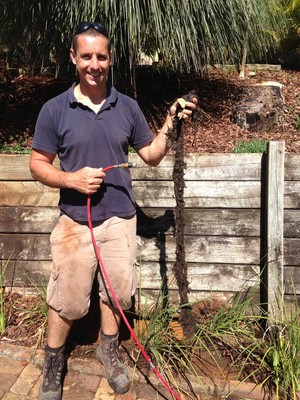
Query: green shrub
[254,146]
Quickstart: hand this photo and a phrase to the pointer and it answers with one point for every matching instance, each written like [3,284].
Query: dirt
[214,132]
[26,325]
[25,316]
[176,141]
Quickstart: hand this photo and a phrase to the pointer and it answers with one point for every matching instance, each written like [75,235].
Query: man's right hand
[86,180]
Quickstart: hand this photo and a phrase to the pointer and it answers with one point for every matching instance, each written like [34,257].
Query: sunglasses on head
[87,25]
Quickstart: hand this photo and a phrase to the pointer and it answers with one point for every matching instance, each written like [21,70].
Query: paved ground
[20,377]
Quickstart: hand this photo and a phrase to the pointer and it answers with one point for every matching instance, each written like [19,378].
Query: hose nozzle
[123,165]
[126,165]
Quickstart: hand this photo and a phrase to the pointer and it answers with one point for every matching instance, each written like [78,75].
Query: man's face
[92,60]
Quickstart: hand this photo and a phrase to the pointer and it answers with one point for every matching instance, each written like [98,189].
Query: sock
[54,350]
[108,337]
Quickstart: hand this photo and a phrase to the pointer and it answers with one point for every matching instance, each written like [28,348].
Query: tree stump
[261,107]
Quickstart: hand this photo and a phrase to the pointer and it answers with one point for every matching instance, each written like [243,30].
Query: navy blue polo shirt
[82,138]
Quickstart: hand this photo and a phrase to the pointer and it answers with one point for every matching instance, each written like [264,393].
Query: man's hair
[89,32]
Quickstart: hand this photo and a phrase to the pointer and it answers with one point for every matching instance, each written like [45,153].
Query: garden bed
[22,97]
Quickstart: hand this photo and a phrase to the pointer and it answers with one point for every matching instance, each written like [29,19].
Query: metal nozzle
[126,165]
[132,165]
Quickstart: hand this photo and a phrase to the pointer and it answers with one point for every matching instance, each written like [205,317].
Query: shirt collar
[112,95]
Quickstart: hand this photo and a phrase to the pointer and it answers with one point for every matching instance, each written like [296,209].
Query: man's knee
[70,311]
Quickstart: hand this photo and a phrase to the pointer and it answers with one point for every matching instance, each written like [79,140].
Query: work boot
[53,374]
[116,371]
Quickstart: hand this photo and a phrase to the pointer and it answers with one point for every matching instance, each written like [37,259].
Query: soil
[26,325]
[213,131]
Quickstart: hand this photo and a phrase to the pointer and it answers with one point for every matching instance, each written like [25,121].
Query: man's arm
[155,151]
[86,180]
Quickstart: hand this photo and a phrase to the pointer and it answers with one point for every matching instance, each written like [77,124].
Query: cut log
[261,107]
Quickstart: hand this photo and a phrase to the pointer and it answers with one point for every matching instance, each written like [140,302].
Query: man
[89,127]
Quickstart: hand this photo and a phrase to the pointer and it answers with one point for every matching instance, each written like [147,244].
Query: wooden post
[274,234]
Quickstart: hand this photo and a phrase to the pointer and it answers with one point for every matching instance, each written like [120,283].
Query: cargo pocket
[53,296]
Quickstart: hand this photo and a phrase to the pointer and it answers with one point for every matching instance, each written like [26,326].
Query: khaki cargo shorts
[74,264]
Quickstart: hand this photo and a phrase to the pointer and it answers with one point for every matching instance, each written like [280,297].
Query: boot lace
[53,370]
[114,356]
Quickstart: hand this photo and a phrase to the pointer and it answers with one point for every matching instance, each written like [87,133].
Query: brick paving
[21,376]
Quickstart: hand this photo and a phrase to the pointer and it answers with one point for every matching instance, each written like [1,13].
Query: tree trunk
[261,107]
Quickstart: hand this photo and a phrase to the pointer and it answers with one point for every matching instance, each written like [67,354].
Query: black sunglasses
[84,26]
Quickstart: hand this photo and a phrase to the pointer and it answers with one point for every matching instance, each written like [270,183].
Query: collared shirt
[81,138]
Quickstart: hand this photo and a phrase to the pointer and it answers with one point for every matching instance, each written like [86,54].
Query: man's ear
[72,56]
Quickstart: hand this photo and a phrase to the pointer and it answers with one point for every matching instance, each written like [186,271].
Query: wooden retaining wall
[242,218]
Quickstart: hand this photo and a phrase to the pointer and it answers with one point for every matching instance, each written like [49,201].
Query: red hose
[90,223]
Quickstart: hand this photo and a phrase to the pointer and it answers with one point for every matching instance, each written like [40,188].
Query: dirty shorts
[74,264]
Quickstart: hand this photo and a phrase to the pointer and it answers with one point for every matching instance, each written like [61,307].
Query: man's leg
[110,319]
[54,362]
[118,251]
[58,329]
[107,351]
[69,289]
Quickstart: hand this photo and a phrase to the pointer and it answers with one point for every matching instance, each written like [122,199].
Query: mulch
[22,97]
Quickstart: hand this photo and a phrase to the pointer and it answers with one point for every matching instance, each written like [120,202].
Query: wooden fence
[242,214]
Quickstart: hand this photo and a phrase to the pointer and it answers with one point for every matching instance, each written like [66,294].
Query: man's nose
[94,63]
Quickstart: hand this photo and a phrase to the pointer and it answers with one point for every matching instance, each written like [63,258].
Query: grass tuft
[254,146]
